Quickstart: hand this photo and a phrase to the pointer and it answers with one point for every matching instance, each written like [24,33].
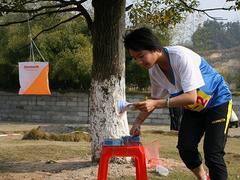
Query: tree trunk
[108,73]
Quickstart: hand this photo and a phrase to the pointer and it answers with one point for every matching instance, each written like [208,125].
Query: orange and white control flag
[33,78]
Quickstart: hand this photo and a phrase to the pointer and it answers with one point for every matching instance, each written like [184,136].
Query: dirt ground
[234,132]
[70,169]
[82,169]
[74,169]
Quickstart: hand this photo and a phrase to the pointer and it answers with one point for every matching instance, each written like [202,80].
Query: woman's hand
[147,106]
[135,130]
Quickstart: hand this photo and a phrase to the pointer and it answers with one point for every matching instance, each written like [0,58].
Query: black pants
[176,115]
[214,123]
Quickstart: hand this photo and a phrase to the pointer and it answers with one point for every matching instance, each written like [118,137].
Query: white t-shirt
[184,64]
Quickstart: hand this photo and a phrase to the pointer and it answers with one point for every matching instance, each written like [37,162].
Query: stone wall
[57,108]
[68,108]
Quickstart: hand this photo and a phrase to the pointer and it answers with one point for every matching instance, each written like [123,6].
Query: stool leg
[138,170]
[143,168]
[103,167]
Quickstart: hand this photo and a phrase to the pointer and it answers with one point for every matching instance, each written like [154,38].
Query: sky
[184,33]
[228,15]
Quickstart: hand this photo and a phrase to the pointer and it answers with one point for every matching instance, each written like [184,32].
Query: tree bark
[108,73]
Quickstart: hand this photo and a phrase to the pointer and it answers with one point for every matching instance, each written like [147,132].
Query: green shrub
[8,77]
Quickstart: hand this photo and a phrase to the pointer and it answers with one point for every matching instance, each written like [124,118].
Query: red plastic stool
[135,150]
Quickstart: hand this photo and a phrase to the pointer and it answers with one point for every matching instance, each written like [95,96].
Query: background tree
[137,77]
[11,38]
[161,16]
[232,34]
[68,49]
[216,35]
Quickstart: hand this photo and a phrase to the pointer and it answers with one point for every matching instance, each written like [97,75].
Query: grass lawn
[13,149]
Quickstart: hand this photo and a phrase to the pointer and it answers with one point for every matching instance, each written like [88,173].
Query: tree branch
[37,15]
[205,10]
[86,16]
[13,10]
[62,3]
[128,7]
[52,27]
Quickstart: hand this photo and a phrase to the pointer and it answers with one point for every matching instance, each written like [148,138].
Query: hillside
[224,60]
[227,62]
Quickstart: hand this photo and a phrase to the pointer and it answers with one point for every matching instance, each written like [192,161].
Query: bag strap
[33,44]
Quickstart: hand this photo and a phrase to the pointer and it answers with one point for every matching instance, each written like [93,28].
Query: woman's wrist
[168,102]
[162,103]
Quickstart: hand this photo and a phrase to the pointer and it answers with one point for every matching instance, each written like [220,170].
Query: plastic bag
[152,154]
[162,170]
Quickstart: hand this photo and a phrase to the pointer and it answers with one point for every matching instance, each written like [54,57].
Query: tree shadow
[50,166]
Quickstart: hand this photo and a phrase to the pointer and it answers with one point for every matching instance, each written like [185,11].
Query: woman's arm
[135,130]
[147,107]
[184,99]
